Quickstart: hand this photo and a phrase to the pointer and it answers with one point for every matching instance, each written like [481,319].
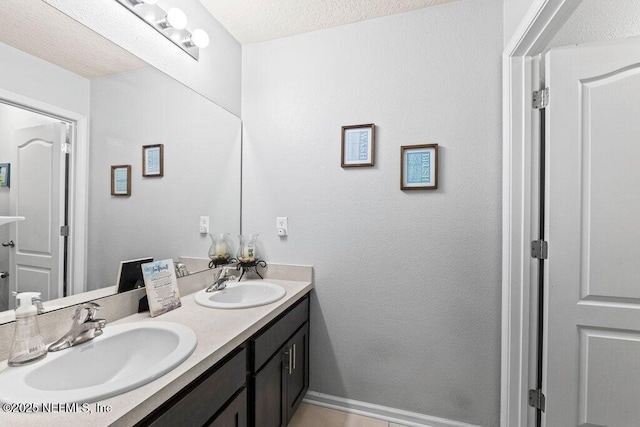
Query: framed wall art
[121,180]
[5,175]
[153,160]
[419,167]
[358,145]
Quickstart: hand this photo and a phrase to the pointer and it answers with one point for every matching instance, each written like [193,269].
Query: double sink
[125,356]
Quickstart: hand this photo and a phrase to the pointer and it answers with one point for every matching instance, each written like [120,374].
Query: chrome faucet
[221,282]
[85,327]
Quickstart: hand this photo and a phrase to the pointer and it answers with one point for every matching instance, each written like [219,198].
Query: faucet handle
[91,309]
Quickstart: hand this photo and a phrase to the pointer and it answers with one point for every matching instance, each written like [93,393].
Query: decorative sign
[121,180]
[153,160]
[358,145]
[162,286]
[5,175]
[419,167]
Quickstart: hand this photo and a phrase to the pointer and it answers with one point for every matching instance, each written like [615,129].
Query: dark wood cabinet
[235,414]
[278,385]
[259,384]
[296,374]
[199,402]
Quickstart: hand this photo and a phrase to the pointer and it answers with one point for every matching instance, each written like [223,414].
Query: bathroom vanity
[250,368]
[260,383]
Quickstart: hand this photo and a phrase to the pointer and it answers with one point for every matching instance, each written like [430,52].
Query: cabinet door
[234,415]
[269,394]
[297,376]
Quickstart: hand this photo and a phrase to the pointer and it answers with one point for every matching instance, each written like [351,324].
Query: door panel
[592,345]
[37,194]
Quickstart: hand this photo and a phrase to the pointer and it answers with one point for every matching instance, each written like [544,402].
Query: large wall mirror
[72,105]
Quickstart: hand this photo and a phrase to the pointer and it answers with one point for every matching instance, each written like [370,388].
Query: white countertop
[219,331]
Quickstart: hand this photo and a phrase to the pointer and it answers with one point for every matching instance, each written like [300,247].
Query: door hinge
[539,249]
[66,148]
[64,231]
[541,98]
[536,399]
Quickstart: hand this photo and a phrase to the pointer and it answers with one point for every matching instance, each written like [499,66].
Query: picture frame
[5,175]
[358,145]
[121,180]
[153,160]
[419,167]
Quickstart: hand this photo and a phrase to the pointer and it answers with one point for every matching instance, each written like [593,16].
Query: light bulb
[199,38]
[176,18]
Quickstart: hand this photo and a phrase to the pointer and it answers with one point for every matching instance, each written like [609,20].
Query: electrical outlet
[282,227]
[204,224]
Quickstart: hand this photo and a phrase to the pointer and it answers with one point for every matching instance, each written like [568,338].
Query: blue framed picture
[419,167]
[153,160]
[121,180]
[358,145]
[5,175]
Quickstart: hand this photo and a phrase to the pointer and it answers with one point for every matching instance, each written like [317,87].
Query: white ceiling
[251,21]
[41,30]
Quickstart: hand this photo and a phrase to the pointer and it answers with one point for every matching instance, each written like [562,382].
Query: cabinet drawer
[276,334]
[234,415]
[199,401]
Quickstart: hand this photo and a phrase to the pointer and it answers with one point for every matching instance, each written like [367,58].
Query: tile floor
[317,416]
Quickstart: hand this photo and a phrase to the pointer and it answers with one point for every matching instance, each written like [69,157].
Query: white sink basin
[122,358]
[251,293]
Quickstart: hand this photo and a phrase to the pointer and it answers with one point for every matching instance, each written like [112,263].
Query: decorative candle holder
[220,250]
[248,255]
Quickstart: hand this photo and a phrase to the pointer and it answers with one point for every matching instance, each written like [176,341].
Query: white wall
[406,307]
[216,75]
[32,77]
[201,171]
[514,12]
[600,20]
[38,80]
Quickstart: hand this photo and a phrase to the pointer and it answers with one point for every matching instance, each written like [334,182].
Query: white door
[37,193]
[592,330]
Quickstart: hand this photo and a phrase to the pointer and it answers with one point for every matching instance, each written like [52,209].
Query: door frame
[78,187]
[519,175]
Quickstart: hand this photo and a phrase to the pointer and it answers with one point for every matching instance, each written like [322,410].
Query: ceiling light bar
[171,24]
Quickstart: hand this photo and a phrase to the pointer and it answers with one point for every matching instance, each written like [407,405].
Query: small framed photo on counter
[358,145]
[419,167]
[153,160]
[161,285]
[121,180]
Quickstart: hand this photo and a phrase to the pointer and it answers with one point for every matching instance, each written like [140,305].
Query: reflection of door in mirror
[32,143]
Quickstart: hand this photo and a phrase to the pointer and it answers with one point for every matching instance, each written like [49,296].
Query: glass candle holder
[248,249]
[220,250]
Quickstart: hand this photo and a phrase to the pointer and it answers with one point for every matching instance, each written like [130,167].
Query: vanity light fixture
[198,38]
[137,2]
[175,18]
[171,23]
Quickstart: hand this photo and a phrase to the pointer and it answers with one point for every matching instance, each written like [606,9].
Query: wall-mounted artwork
[419,167]
[121,180]
[153,160]
[5,175]
[358,145]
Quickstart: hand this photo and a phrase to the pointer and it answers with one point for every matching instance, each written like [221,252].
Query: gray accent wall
[406,307]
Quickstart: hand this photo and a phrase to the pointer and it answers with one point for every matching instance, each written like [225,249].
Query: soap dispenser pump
[28,345]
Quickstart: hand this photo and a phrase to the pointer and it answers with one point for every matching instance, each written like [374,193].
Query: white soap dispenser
[28,345]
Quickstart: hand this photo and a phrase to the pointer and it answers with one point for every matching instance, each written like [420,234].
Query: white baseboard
[398,416]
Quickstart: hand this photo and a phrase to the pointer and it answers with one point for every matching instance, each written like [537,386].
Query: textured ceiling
[251,21]
[43,31]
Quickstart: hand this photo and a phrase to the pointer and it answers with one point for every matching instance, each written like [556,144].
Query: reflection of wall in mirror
[41,81]
[201,171]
